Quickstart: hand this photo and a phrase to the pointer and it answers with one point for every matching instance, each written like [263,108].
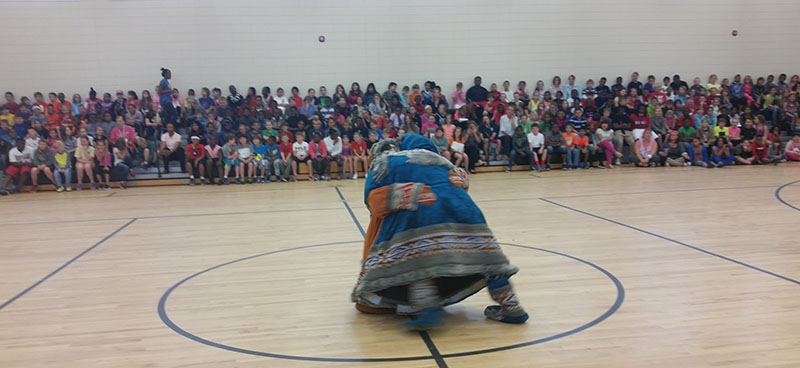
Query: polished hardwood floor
[662,267]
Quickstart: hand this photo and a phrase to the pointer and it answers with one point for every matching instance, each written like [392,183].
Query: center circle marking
[162,313]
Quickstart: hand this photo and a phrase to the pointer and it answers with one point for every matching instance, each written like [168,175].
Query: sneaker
[239,181]
[547,168]
[191,181]
[508,169]
[93,186]
[79,187]
[225,181]
[3,192]
[106,187]
[68,188]
[600,166]
[326,178]
[686,164]
[564,168]
[284,180]
[617,161]
[667,164]
[355,176]
[33,188]
[122,185]
[60,189]
[202,181]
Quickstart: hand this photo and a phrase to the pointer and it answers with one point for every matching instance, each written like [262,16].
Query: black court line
[778,195]
[423,334]
[350,210]
[437,356]
[164,315]
[174,216]
[678,242]
[112,194]
[661,191]
[625,193]
[81,254]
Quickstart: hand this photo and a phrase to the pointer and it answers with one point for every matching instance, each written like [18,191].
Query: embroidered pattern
[403,196]
[431,245]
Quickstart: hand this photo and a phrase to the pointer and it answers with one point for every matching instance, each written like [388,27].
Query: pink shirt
[449,129]
[459,98]
[213,152]
[792,148]
[127,133]
[175,138]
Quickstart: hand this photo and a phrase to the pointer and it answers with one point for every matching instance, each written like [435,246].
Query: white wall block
[110,45]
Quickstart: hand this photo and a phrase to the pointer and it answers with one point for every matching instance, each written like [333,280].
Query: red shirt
[53,121]
[640,121]
[358,148]
[661,97]
[13,108]
[296,101]
[759,150]
[286,149]
[194,152]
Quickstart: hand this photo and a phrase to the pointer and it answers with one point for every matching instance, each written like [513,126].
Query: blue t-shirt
[206,102]
[272,150]
[260,150]
[165,97]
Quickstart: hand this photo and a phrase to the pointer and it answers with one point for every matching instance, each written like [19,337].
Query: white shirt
[31,143]
[507,125]
[24,157]
[117,160]
[334,149]
[282,100]
[509,95]
[537,140]
[175,138]
[300,149]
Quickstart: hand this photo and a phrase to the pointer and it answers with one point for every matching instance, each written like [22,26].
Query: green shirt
[267,133]
[526,127]
[686,133]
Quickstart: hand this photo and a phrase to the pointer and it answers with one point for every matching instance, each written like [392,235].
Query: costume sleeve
[398,197]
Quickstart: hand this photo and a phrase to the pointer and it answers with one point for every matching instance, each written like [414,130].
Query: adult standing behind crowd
[168,112]
[477,94]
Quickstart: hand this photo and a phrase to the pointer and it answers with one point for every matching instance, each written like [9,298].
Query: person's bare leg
[49,174]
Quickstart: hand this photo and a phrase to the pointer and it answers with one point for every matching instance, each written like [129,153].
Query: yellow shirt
[84,153]
[723,130]
[9,118]
[62,159]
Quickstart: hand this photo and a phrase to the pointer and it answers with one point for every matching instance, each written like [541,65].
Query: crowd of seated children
[264,137]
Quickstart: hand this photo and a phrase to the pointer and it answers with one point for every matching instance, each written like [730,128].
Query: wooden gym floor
[664,267]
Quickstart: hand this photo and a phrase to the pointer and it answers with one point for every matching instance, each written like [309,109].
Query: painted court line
[437,356]
[678,242]
[778,195]
[57,270]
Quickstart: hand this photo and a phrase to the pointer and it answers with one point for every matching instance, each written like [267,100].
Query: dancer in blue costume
[427,245]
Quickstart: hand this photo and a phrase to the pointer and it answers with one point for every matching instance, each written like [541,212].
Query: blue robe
[447,240]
